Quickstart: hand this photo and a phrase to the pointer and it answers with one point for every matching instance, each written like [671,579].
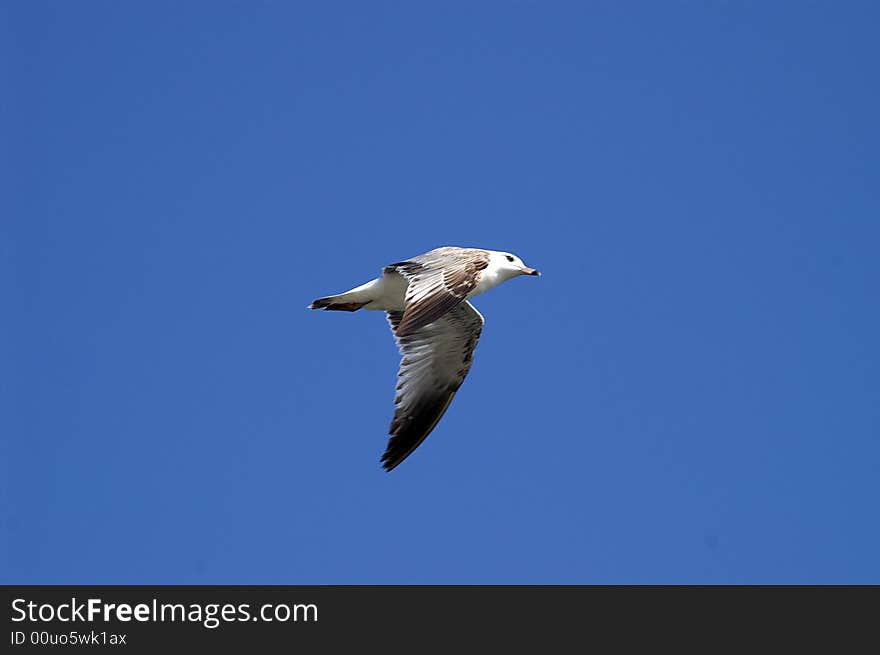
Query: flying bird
[425,299]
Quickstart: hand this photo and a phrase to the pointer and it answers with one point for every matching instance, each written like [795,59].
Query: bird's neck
[490,279]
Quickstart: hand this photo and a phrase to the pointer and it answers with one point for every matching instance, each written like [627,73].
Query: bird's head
[509,265]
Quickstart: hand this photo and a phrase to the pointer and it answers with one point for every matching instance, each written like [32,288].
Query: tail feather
[350,301]
[336,303]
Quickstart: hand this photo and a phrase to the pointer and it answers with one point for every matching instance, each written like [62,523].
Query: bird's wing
[437,281]
[435,361]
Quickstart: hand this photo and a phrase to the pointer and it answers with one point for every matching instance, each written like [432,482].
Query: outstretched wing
[435,361]
[437,281]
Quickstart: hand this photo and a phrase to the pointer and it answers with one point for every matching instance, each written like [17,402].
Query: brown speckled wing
[437,282]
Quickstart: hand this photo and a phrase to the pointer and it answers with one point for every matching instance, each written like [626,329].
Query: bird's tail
[350,301]
[336,303]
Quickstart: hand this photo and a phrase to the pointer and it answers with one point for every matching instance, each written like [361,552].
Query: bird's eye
[509,258]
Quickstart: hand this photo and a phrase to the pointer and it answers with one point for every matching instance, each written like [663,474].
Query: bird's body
[436,328]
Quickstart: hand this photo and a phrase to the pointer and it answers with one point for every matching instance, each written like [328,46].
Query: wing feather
[436,360]
[438,281]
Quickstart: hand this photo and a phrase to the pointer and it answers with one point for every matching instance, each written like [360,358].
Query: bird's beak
[530,271]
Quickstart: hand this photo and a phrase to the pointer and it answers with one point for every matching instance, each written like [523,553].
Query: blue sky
[689,394]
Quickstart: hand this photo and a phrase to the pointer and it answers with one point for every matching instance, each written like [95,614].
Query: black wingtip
[393,456]
[407,433]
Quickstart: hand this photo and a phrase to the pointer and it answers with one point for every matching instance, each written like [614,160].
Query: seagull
[425,299]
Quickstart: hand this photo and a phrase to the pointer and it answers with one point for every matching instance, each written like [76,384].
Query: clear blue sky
[690,393]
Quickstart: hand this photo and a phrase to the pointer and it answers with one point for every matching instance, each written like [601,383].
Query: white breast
[489,279]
